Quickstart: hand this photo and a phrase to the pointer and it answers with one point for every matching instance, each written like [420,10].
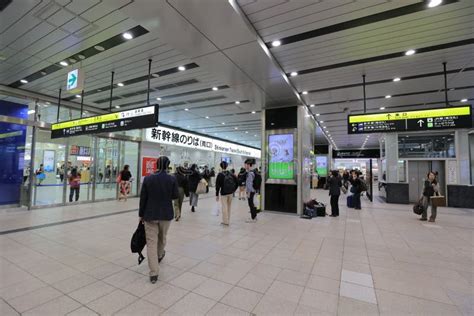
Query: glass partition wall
[98,161]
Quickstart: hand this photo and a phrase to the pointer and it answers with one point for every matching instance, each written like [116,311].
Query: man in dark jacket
[183,190]
[335,184]
[226,184]
[156,210]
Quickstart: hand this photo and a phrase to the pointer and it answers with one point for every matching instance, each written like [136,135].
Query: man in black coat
[156,210]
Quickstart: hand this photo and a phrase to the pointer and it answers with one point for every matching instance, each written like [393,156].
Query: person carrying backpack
[226,184]
[74,184]
[252,186]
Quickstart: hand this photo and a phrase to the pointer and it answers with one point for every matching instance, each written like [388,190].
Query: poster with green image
[281,164]
[322,166]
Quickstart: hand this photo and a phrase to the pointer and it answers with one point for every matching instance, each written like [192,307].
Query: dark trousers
[71,193]
[356,200]
[253,209]
[335,205]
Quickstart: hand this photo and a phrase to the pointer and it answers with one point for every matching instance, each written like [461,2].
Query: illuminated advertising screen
[322,166]
[281,164]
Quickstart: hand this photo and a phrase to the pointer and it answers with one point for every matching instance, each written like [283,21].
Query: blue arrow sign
[72,79]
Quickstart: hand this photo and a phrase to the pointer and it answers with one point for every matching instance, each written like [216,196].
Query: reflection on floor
[380,260]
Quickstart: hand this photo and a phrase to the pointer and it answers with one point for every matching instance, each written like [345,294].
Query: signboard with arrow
[75,81]
[418,120]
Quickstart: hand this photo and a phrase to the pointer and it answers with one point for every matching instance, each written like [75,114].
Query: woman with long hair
[242,176]
[124,182]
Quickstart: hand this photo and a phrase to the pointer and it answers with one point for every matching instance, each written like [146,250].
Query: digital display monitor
[281,163]
[322,166]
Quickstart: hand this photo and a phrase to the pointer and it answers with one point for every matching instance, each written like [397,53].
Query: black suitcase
[320,210]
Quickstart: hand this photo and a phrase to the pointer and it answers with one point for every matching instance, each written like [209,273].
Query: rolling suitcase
[350,203]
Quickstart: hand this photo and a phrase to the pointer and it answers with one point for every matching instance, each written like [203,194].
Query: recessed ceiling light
[207,117]
[317,114]
[321,122]
[410,52]
[117,106]
[463,100]
[294,73]
[388,96]
[223,123]
[237,102]
[181,68]
[43,73]
[276,43]
[63,63]
[434,3]
[81,56]
[158,99]
[311,105]
[215,88]
[120,84]
[72,60]
[24,81]
[305,92]
[255,135]
[246,132]
[48,103]
[236,128]
[170,121]
[397,79]
[127,36]
[253,112]
[186,109]
[155,75]
[99,48]
[188,126]
[31,112]
[382,108]
[325,127]
[78,95]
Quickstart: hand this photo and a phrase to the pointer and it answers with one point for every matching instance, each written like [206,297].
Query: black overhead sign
[419,120]
[363,153]
[118,121]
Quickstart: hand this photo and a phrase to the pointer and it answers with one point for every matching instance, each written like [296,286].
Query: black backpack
[138,242]
[257,180]
[363,186]
[230,185]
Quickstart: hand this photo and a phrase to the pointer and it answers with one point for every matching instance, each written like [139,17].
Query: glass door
[129,156]
[80,161]
[107,168]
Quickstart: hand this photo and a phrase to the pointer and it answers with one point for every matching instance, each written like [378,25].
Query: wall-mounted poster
[48,160]
[281,164]
[148,166]
[322,166]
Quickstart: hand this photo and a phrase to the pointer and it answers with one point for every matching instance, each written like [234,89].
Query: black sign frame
[98,126]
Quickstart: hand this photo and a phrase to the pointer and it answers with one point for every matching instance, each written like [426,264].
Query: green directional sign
[75,81]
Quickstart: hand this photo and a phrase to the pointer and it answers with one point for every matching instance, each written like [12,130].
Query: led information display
[420,120]
[119,121]
[281,164]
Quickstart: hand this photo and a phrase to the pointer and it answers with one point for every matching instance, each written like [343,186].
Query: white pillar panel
[391,156]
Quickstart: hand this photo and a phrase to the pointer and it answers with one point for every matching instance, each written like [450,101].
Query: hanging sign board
[75,81]
[170,136]
[356,153]
[419,120]
[107,123]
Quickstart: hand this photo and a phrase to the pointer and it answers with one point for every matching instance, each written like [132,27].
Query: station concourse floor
[380,260]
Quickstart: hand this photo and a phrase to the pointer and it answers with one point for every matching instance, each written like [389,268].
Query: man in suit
[156,211]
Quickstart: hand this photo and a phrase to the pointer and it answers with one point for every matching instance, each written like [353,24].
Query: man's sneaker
[153,279]
[250,220]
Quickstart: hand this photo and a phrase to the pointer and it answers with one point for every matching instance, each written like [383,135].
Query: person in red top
[74,184]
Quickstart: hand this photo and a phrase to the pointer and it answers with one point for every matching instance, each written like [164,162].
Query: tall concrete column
[391,156]
[461,144]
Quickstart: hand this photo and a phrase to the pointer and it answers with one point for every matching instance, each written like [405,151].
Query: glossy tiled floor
[380,260]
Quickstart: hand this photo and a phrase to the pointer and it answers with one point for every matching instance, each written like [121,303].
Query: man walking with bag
[252,184]
[156,211]
[226,184]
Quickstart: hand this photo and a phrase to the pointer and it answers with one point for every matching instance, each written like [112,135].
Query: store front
[35,167]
